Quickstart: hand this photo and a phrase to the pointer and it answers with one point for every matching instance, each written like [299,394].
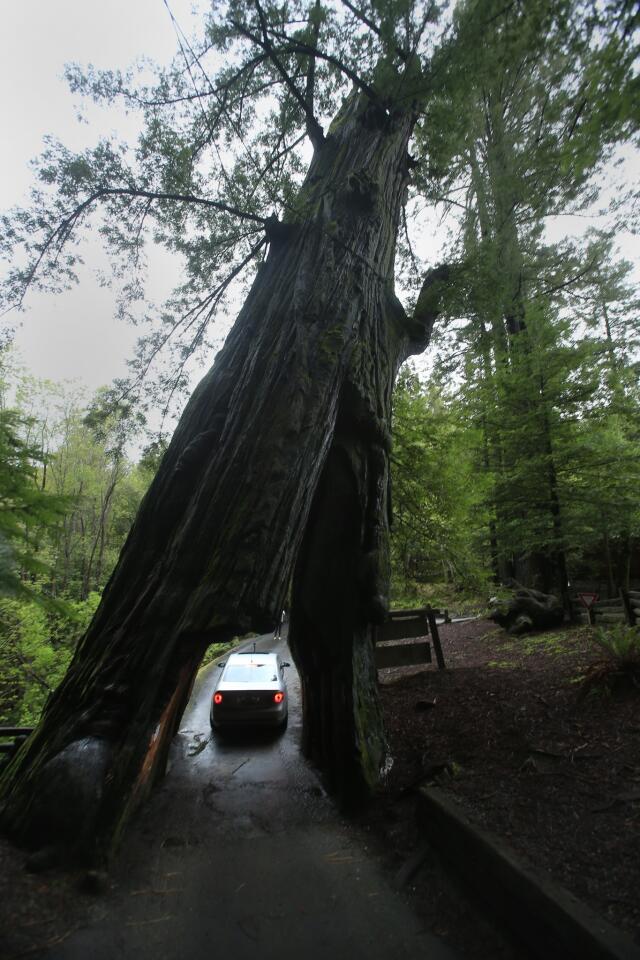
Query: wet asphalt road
[241,854]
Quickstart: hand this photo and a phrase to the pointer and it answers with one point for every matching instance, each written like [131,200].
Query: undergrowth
[617,671]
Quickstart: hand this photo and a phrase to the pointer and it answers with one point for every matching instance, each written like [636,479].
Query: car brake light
[217,698]
[278,697]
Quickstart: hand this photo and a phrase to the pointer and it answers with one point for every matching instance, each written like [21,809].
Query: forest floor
[505,730]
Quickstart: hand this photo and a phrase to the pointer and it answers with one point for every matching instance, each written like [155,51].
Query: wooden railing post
[433,627]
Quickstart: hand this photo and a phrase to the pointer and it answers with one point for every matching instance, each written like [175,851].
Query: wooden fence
[392,650]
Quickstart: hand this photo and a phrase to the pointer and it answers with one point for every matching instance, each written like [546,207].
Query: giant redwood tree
[278,468]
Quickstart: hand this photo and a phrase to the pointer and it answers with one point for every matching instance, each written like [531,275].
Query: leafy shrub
[36,647]
[618,670]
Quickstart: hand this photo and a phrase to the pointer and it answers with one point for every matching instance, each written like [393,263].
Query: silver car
[251,690]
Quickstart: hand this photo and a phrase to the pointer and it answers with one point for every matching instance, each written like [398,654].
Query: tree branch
[311,72]
[208,303]
[373,27]
[197,95]
[64,228]
[298,46]
[314,130]
[567,283]
[273,160]
[178,197]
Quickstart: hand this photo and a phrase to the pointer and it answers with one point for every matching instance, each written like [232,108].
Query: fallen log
[528,610]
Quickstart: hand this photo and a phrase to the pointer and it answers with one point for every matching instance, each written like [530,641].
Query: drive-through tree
[279,466]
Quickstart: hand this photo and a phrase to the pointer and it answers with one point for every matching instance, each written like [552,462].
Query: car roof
[252,653]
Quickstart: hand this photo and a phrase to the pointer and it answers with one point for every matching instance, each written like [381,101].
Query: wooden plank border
[411,624]
[543,916]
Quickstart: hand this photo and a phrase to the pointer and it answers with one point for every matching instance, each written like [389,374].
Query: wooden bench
[403,625]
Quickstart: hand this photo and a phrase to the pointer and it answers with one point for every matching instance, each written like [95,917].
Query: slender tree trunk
[302,384]
[97,546]
[626,553]
[611,583]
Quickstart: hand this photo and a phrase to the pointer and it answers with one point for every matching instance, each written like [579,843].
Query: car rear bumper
[270,717]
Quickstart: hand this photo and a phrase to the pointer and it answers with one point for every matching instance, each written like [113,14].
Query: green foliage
[217,650]
[547,382]
[621,643]
[68,497]
[437,501]
[27,511]
[618,672]
[513,455]
[36,645]
[221,148]
[84,469]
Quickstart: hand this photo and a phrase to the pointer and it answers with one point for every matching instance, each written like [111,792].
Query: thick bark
[301,389]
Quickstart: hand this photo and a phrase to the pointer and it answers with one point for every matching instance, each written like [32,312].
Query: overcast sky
[75,335]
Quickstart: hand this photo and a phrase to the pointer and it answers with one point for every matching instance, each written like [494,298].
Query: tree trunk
[611,583]
[97,546]
[301,390]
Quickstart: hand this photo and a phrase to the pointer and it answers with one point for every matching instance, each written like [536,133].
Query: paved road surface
[242,855]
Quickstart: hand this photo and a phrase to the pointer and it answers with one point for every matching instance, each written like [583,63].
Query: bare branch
[273,160]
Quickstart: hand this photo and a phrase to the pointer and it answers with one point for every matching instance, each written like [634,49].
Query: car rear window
[253,672]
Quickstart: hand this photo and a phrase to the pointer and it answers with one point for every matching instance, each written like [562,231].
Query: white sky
[75,335]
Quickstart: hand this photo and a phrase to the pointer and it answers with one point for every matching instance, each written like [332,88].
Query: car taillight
[217,698]
[278,697]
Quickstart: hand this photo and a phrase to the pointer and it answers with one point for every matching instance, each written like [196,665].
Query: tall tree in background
[439,519]
[281,454]
[27,510]
[535,101]
[602,481]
